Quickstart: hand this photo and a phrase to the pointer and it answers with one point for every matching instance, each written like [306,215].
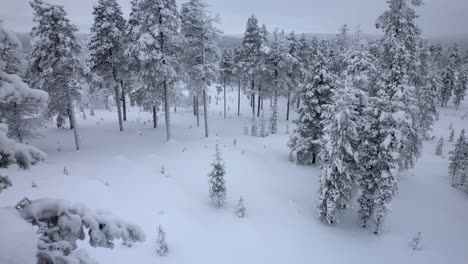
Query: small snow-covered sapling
[452,135]
[65,171]
[440,147]
[240,208]
[415,243]
[234,142]
[164,172]
[33,184]
[216,179]
[161,244]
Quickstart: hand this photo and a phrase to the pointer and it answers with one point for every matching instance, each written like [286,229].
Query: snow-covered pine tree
[459,90]
[427,81]
[15,91]
[24,116]
[458,167]
[398,66]
[201,52]
[340,153]
[154,48]
[6,183]
[394,140]
[240,208]
[439,151]
[450,75]
[161,244]
[314,93]
[54,66]
[216,179]
[263,126]
[278,65]
[251,55]
[106,48]
[227,69]
[452,135]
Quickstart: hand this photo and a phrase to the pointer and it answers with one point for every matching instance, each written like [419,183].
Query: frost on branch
[61,224]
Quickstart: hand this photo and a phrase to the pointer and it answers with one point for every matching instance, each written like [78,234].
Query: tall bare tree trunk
[124,102]
[167,111]
[198,111]
[259,100]
[238,97]
[155,117]
[288,106]
[224,98]
[205,110]
[194,105]
[71,112]
[298,102]
[253,97]
[119,110]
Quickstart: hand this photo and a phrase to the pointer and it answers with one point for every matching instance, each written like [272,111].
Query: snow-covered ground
[121,172]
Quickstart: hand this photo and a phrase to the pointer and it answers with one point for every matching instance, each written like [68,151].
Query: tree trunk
[224,98]
[253,97]
[288,106]
[238,97]
[205,112]
[175,103]
[155,117]
[298,102]
[73,123]
[194,104]
[259,100]
[198,111]
[167,111]
[124,103]
[70,118]
[119,111]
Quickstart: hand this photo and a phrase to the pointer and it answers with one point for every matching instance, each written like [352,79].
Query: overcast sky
[437,17]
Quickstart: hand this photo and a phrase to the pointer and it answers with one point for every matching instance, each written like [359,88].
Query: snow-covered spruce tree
[452,135]
[154,48]
[14,91]
[240,208]
[201,52]
[314,93]
[24,116]
[161,243]
[216,180]
[226,71]
[339,151]
[54,66]
[398,66]
[450,75]
[393,136]
[440,147]
[278,63]
[458,167]
[427,81]
[61,224]
[461,85]
[251,55]
[106,48]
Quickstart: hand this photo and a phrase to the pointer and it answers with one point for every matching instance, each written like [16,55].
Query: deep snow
[121,172]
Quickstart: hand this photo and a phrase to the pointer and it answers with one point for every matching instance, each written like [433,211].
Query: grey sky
[437,17]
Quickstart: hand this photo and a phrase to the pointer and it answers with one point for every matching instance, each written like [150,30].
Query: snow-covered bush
[415,243]
[161,244]
[61,224]
[216,179]
[263,126]
[240,208]
[4,183]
